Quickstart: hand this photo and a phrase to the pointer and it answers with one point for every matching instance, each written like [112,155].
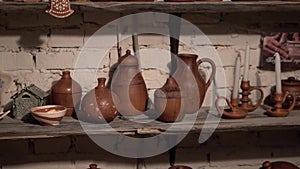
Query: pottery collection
[97,105]
[66,92]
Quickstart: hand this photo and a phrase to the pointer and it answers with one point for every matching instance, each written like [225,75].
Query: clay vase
[167,101]
[278,165]
[190,81]
[129,87]
[66,92]
[97,105]
[292,86]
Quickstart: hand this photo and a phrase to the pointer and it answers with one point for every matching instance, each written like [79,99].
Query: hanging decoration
[60,8]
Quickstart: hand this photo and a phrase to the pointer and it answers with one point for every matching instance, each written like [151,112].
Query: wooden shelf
[169,7]
[256,121]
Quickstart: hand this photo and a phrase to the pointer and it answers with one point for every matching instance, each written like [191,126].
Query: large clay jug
[97,105]
[66,92]
[190,80]
[167,102]
[129,87]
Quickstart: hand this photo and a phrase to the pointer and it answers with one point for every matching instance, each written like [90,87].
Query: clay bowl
[49,115]
[180,167]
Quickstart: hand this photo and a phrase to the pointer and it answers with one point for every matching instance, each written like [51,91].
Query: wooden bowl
[49,115]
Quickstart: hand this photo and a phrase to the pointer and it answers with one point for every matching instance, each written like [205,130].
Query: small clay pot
[66,92]
[278,165]
[292,86]
[167,101]
[97,105]
[93,166]
[180,167]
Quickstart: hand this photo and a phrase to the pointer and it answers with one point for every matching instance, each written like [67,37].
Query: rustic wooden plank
[169,7]
[15,129]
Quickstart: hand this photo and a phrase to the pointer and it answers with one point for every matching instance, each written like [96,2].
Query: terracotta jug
[97,105]
[167,101]
[66,92]
[129,87]
[292,86]
[278,165]
[190,80]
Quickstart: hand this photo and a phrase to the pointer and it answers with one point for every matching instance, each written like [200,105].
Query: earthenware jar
[66,92]
[278,165]
[93,166]
[167,102]
[292,86]
[190,80]
[129,87]
[97,105]
[180,167]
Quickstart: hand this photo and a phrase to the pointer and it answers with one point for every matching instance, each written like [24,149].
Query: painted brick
[267,78]
[233,139]
[106,17]
[278,138]
[51,60]
[225,156]
[13,147]
[13,39]
[202,18]
[154,78]
[49,21]
[58,145]
[16,61]
[101,37]
[85,145]
[22,19]
[153,41]
[66,38]
[38,165]
[236,40]
[91,58]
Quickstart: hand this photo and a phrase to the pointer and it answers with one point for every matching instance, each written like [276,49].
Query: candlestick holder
[246,101]
[234,111]
[279,99]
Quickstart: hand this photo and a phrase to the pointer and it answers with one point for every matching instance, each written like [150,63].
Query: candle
[246,65]
[278,72]
[235,91]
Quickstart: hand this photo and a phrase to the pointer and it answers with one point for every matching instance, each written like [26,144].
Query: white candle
[278,72]
[246,65]
[235,91]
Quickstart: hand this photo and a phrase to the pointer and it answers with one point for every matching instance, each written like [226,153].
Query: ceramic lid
[291,81]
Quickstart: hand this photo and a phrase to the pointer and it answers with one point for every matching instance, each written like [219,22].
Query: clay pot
[167,101]
[180,167]
[278,165]
[66,92]
[292,86]
[97,105]
[129,87]
[93,166]
[190,80]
